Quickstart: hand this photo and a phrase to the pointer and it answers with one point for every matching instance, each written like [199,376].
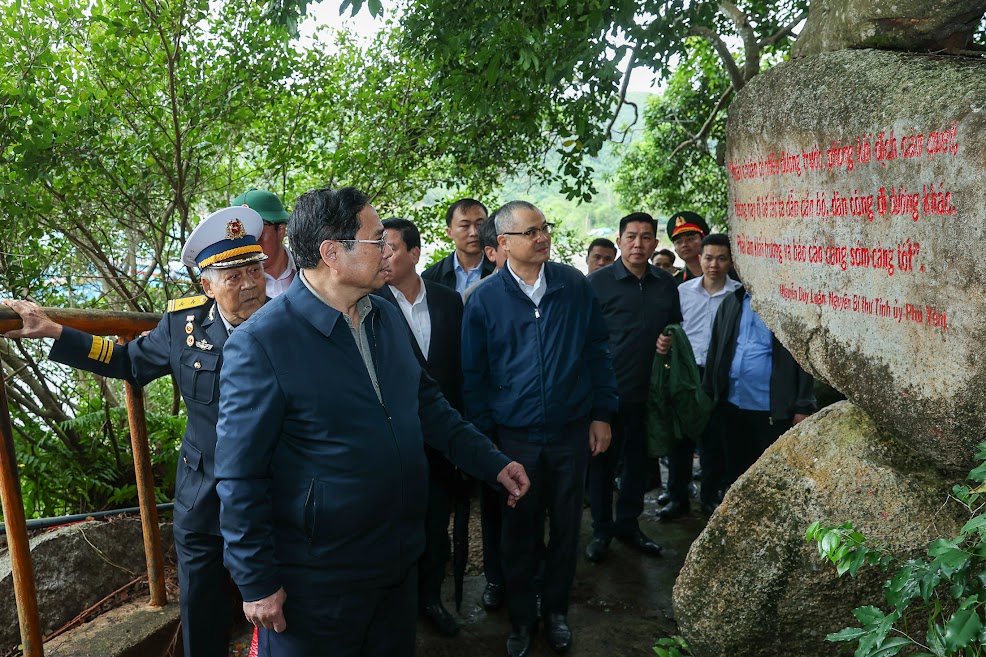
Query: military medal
[190,340]
[189,318]
[189,328]
[202,344]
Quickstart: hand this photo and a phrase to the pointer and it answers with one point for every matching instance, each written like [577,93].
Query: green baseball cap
[265,203]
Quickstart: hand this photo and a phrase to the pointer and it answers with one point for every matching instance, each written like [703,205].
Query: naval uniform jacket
[323,485]
[188,343]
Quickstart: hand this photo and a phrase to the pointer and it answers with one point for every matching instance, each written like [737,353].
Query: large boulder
[752,587]
[914,25]
[857,207]
[76,566]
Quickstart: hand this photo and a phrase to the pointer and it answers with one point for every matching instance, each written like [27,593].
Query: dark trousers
[630,442]
[373,623]
[203,600]
[746,435]
[713,458]
[491,522]
[557,473]
[432,563]
[680,471]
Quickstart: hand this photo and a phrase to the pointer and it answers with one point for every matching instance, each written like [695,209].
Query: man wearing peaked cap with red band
[187,343]
[686,230]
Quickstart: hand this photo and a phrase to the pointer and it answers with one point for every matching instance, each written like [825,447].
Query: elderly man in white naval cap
[187,343]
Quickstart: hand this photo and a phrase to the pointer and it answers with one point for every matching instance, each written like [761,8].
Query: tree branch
[701,135]
[623,94]
[784,31]
[751,49]
[735,76]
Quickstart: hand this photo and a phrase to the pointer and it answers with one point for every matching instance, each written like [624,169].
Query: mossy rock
[752,587]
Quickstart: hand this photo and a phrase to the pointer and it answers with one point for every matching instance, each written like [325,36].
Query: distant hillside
[603,212]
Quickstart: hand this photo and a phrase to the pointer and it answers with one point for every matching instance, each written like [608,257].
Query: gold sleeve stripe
[101,350]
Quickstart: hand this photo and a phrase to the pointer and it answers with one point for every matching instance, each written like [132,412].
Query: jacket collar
[620,270]
[552,281]
[316,312]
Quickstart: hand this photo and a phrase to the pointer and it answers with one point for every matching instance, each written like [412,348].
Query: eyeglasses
[532,233]
[381,243]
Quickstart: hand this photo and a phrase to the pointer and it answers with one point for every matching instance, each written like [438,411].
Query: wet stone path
[620,606]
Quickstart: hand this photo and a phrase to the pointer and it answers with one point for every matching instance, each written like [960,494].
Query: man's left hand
[600,436]
[514,478]
[799,418]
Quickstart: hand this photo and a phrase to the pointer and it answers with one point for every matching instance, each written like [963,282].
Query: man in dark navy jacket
[320,456]
[188,344]
[433,314]
[538,375]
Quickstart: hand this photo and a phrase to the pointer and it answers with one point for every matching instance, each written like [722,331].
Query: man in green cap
[279,268]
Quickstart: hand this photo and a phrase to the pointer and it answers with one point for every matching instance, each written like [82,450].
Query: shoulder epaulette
[187,302]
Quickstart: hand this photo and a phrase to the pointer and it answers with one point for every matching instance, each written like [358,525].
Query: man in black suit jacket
[466,265]
[433,314]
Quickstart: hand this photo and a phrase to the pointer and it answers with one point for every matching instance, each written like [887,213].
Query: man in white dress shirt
[700,298]
[433,314]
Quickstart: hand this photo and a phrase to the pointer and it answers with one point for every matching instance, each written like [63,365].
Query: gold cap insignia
[680,222]
[235,229]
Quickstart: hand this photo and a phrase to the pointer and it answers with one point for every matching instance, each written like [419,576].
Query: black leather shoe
[558,632]
[440,618]
[597,548]
[493,597]
[664,498]
[642,543]
[520,641]
[673,511]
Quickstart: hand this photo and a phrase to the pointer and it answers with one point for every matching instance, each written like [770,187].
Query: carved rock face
[752,586]
[914,25]
[858,218]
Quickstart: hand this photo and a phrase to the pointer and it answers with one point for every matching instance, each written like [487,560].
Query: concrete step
[133,630]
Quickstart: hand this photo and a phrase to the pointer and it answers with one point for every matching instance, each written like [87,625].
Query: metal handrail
[126,325]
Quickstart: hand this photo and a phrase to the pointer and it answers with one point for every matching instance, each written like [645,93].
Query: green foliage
[122,123]
[674,646]
[948,587]
[558,68]
[60,477]
[657,170]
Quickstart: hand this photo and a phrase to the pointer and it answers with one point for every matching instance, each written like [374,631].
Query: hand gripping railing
[127,326]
